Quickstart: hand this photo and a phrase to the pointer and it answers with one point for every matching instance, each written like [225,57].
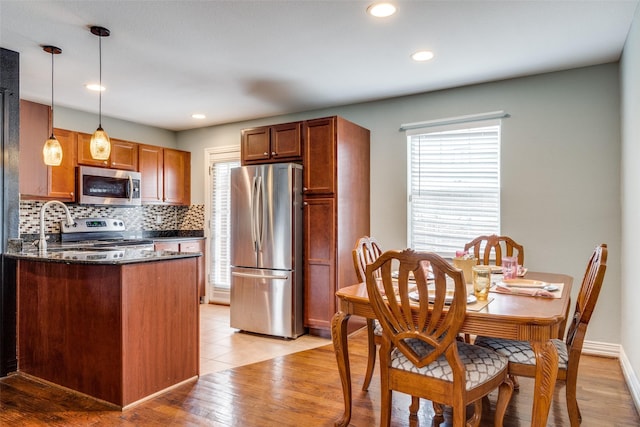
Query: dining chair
[366,251]
[522,359]
[419,353]
[494,244]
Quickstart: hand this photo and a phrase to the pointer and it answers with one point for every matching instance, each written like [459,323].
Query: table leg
[546,375]
[341,348]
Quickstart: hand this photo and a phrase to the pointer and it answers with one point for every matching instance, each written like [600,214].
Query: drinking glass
[509,267]
[481,281]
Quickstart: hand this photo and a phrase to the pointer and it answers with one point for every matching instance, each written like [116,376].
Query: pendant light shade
[52,150]
[100,145]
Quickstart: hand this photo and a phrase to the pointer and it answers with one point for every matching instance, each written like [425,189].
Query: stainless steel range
[101,233]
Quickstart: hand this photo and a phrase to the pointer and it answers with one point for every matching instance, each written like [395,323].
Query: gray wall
[560,162]
[67,118]
[561,156]
[630,289]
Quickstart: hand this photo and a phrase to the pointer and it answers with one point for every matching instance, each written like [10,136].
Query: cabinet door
[197,246]
[62,179]
[35,129]
[150,162]
[319,262]
[286,142]
[177,177]
[255,145]
[124,155]
[319,156]
[84,152]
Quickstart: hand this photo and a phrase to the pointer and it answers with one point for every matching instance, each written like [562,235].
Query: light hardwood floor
[297,389]
[223,347]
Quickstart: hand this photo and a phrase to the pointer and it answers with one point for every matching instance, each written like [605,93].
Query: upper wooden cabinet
[320,156]
[124,154]
[38,181]
[272,144]
[177,177]
[166,175]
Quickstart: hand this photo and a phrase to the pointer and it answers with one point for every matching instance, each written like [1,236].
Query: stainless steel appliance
[266,249]
[100,186]
[105,233]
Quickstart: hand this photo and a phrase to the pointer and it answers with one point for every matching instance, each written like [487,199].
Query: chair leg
[414,407]
[504,396]
[572,402]
[385,407]
[371,356]
[474,421]
[516,383]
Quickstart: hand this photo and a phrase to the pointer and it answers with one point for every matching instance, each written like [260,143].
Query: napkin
[530,292]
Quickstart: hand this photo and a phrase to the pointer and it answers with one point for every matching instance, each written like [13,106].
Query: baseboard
[603,349]
[631,378]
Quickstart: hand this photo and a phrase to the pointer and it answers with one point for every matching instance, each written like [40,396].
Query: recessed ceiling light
[198,116]
[95,87]
[381,10]
[422,55]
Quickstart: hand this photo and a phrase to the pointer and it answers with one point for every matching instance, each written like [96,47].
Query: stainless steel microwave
[100,186]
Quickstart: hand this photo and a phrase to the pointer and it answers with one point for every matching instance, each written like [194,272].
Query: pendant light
[52,150]
[100,145]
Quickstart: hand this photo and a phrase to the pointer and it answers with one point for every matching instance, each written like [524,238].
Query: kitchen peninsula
[119,328]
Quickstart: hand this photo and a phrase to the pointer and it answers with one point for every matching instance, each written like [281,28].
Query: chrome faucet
[42,243]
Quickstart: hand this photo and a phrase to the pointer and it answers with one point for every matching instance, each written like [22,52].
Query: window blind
[454,185]
[220,223]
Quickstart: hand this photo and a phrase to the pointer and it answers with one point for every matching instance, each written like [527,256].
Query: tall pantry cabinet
[336,204]
[335,166]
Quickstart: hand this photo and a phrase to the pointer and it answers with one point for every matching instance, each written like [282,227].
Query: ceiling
[240,60]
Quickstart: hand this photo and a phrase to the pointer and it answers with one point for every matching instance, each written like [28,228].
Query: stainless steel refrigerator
[266,249]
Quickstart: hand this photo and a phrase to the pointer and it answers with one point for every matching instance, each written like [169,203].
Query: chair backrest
[496,244]
[587,298]
[418,319]
[366,251]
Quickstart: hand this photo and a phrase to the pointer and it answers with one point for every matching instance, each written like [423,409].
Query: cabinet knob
[265,153]
[273,153]
[305,204]
[304,188]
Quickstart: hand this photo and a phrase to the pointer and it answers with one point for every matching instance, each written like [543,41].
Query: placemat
[556,294]
[479,305]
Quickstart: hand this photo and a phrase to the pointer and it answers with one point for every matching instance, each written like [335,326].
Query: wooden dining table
[518,317]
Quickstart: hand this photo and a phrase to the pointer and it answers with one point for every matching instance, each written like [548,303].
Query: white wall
[560,167]
[630,124]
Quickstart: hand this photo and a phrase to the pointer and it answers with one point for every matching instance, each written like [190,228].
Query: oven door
[99,186]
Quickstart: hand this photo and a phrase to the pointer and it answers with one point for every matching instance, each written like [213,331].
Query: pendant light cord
[100,91]
[52,53]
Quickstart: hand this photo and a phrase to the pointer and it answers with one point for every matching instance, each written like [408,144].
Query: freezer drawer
[266,302]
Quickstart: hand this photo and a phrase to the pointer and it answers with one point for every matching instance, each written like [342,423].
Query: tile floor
[223,347]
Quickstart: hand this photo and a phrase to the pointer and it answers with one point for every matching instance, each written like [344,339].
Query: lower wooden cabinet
[319,263]
[191,245]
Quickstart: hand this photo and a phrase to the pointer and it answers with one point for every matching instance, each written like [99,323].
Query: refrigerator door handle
[261,276]
[259,212]
[253,212]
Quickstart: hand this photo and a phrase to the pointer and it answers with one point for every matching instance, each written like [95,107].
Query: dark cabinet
[272,144]
[336,201]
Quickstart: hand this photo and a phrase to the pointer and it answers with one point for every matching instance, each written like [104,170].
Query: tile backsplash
[139,218]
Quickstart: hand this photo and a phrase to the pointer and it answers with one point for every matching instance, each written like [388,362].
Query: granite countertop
[96,256]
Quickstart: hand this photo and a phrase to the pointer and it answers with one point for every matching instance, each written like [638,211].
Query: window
[454,185]
[220,163]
